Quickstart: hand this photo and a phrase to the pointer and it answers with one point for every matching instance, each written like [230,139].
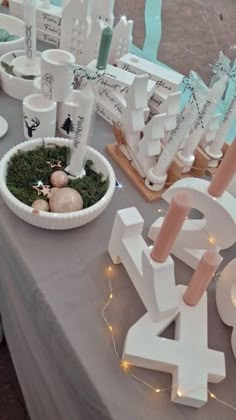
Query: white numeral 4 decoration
[187,358]
[217,228]
[226,299]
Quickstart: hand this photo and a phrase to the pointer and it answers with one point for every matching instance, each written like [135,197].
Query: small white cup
[57,74]
[67,114]
[39,116]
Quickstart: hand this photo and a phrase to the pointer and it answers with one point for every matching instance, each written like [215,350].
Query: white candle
[215,149]
[83,128]
[215,94]
[173,143]
[30,32]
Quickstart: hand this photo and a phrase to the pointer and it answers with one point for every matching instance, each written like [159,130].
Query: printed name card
[119,80]
[166,80]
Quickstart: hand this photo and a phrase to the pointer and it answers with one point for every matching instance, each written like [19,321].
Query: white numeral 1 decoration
[154,282]
[218,227]
[226,299]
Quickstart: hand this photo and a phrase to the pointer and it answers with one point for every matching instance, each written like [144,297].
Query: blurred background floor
[193,33]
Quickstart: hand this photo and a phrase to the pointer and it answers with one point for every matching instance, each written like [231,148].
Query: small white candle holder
[22,68]
[15,86]
[154,182]
[214,162]
[56,76]
[39,116]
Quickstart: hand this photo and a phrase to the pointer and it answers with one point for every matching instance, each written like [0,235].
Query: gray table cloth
[52,289]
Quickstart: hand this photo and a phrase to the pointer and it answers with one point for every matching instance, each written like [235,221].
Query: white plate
[3,127]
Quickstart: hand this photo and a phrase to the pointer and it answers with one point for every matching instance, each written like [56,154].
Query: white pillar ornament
[149,147]
[216,229]
[133,117]
[75,29]
[171,106]
[122,38]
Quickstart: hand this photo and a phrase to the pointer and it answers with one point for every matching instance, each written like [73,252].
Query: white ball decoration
[65,200]
[59,179]
[40,205]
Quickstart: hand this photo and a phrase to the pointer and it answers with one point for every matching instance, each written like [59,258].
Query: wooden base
[174,173]
[132,174]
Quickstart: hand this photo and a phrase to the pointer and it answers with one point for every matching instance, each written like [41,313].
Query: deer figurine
[31,128]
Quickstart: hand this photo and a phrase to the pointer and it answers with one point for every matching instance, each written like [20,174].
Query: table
[52,289]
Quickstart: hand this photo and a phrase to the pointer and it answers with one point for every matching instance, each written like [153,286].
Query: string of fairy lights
[126,366]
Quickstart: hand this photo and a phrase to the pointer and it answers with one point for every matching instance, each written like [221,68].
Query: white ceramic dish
[57,221]
[15,27]
[16,87]
[3,127]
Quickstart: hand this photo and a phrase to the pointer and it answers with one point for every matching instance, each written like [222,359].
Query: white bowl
[15,86]
[57,221]
[15,27]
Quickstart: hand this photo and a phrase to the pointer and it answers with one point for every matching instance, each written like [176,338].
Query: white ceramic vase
[39,116]
[57,74]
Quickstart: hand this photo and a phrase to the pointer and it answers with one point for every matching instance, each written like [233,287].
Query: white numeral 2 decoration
[217,228]
[188,358]
[226,299]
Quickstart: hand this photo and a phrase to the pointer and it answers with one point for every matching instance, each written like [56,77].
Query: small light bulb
[109,268]
[212,395]
[179,393]
[234,302]
[111,296]
[124,365]
[159,210]
[212,240]
[110,327]
[157,390]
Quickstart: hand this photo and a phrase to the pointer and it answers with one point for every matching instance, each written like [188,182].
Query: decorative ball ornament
[65,200]
[53,190]
[59,179]
[40,205]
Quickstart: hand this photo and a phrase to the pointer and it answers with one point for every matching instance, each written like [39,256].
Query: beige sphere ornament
[59,179]
[65,200]
[40,205]
[52,191]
